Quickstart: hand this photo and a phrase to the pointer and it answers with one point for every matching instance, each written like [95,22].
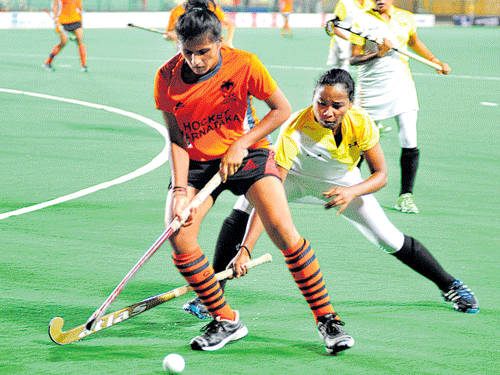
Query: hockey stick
[59,27]
[174,226]
[344,25]
[108,320]
[146,28]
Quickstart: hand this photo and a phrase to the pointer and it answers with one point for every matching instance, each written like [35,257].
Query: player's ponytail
[197,20]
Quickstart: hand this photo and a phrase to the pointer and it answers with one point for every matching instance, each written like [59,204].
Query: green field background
[64,260]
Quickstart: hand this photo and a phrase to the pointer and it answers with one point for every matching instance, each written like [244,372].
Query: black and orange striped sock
[53,53]
[200,275]
[305,270]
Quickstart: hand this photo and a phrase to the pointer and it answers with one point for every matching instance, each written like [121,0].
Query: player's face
[201,54]
[383,5]
[330,104]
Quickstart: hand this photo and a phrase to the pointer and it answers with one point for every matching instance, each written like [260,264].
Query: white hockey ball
[173,363]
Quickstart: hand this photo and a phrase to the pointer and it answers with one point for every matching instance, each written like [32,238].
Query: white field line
[158,161]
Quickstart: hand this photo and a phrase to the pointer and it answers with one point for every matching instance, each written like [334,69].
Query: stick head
[330,24]
[130,25]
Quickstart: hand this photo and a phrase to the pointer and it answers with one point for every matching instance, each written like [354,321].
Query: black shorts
[259,163]
[72,26]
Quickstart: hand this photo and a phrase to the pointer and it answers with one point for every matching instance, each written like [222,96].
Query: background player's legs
[407,134]
[286,25]
[57,48]
[82,48]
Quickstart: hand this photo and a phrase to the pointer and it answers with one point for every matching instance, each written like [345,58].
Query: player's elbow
[383,178]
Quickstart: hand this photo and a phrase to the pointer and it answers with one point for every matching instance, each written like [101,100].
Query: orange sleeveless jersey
[68,11]
[179,11]
[286,6]
[217,110]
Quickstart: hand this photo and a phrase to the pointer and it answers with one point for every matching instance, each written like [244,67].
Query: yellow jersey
[309,149]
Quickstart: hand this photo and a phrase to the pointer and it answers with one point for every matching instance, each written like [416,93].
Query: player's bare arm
[421,49]
[358,57]
[342,196]
[338,32]
[180,163]
[280,110]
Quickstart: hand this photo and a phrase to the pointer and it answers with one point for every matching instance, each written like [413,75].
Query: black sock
[231,234]
[409,165]
[419,259]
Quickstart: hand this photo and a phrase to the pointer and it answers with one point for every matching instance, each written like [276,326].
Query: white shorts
[363,212]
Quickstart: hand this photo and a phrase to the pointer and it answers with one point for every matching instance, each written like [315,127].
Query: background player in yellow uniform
[181,9]
[317,151]
[68,14]
[385,85]
[340,46]
[205,95]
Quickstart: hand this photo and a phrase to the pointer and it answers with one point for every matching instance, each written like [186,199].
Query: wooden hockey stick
[108,320]
[344,25]
[174,226]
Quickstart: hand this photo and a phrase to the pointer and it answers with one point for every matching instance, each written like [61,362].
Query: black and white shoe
[332,333]
[462,297]
[218,333]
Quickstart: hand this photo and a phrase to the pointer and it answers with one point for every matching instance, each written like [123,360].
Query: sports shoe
[462,297]
[48,66]
[197,308]
[332,333]
[218,333]
[383,129]
[84,69]
[406,204]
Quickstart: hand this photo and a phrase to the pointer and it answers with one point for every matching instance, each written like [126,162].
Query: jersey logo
[178,105]
[227,86]
[355,144]
[249,165]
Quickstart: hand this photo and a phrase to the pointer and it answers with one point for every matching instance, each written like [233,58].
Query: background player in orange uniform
[205,95]
[68,14]
[286,8]
[210,4]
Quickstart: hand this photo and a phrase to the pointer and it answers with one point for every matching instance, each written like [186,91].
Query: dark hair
[335,76]
[197,20]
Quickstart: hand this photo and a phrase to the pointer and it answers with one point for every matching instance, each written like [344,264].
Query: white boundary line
[158,161]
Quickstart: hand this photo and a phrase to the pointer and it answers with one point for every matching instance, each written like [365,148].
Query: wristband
[246,248]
